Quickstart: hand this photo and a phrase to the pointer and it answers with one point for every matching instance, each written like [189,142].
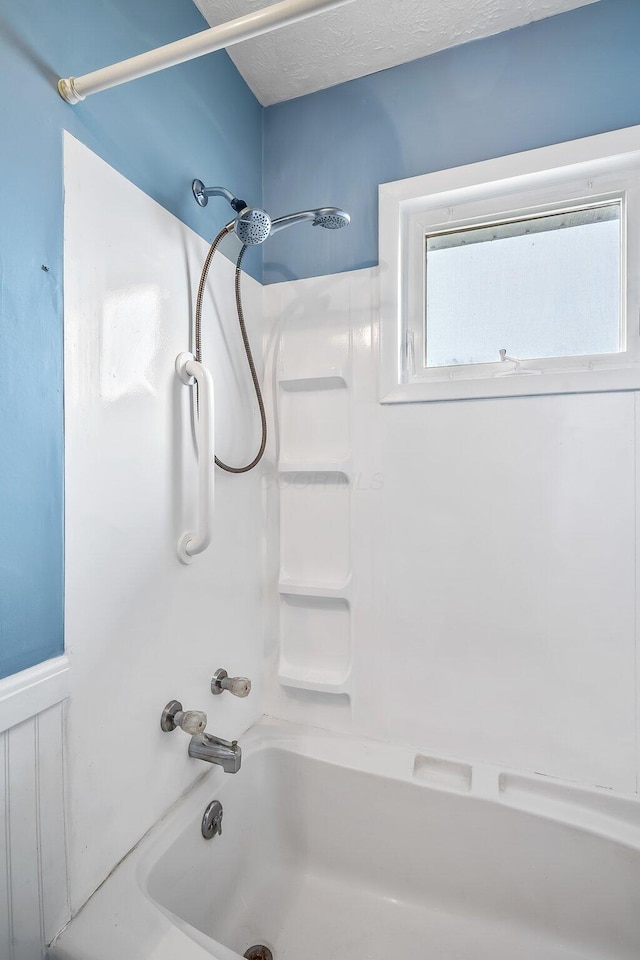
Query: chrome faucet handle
[192,722]
[238,686]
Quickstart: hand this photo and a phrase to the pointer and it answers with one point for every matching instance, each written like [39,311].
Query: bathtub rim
[601,813]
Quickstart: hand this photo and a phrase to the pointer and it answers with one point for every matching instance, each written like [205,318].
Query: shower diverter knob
[238,686]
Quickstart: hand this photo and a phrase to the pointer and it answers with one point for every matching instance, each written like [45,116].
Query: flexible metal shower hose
[245,339]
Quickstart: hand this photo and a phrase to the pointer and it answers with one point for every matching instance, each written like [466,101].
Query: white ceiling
[365,36]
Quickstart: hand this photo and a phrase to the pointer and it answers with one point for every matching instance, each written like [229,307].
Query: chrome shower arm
[202,194]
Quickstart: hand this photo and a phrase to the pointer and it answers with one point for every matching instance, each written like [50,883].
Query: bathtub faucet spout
[203,745]
[226,754]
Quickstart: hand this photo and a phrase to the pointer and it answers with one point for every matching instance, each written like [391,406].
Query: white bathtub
[337,849]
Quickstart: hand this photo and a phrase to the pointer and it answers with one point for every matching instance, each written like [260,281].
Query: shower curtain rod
[75,89]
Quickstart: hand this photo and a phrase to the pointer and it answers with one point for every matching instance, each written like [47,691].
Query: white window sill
[516,384]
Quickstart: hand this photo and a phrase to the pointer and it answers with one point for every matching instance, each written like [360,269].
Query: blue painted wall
[566,77]
[198,119]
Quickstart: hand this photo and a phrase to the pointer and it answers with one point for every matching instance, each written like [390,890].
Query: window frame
[564,176]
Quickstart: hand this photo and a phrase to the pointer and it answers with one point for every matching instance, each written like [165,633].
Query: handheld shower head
[331,218]
[251,225]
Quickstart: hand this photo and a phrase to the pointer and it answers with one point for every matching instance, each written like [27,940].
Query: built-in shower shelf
[315,472]
[317,682]
[333,468]
[295,588]
[327,380]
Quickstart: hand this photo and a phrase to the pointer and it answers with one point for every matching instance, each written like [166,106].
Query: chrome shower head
[331,218]
[251,225]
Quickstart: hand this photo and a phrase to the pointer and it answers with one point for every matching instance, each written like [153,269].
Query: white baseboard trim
[31,691]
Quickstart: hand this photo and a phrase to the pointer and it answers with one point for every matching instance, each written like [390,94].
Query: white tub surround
[460,576]
[142,628]
[407,855]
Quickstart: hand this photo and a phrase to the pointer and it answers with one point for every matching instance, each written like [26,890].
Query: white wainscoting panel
[34,900]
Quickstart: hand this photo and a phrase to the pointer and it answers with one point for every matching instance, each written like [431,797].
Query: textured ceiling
[365,36]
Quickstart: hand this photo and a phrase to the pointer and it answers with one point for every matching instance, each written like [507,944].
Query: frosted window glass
[542,287]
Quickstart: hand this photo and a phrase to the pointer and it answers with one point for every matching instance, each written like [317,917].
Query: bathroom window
[538,287]
[509,277]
